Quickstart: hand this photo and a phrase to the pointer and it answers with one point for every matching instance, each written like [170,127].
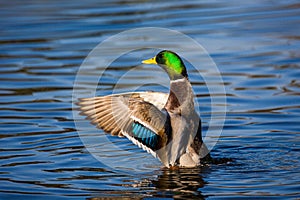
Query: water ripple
[255,46]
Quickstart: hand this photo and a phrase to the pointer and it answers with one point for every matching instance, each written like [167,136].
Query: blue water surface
[255,45]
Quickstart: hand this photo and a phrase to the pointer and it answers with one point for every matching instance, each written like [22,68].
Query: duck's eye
[159,58]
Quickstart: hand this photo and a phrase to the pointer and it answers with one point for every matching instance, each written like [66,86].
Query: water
[255,46]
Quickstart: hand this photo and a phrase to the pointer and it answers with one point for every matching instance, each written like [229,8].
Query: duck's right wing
[131,115]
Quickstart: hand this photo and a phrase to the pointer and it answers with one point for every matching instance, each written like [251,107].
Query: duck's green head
[170,62]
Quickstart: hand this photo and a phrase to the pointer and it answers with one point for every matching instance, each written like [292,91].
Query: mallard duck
[165,125]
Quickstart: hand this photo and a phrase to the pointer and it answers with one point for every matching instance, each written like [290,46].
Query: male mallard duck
[165,125]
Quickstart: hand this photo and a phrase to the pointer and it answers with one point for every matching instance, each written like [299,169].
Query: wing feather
[138,116]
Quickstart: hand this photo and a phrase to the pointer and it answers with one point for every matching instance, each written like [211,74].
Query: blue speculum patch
[144,135]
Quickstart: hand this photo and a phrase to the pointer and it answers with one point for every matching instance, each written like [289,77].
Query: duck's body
[165,125]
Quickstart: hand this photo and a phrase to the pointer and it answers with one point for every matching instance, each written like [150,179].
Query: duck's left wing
[130,115]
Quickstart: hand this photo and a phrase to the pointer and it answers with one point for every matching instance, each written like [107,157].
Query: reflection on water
[254,44]
[184,183]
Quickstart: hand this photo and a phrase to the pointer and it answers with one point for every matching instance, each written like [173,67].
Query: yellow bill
[150,61]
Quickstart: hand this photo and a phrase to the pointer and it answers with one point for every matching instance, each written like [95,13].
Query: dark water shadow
[178,183]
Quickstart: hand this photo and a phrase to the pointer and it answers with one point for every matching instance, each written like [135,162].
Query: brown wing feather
[104,112]
[115,113]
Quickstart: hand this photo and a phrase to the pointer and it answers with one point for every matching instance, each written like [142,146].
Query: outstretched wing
[138,116]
